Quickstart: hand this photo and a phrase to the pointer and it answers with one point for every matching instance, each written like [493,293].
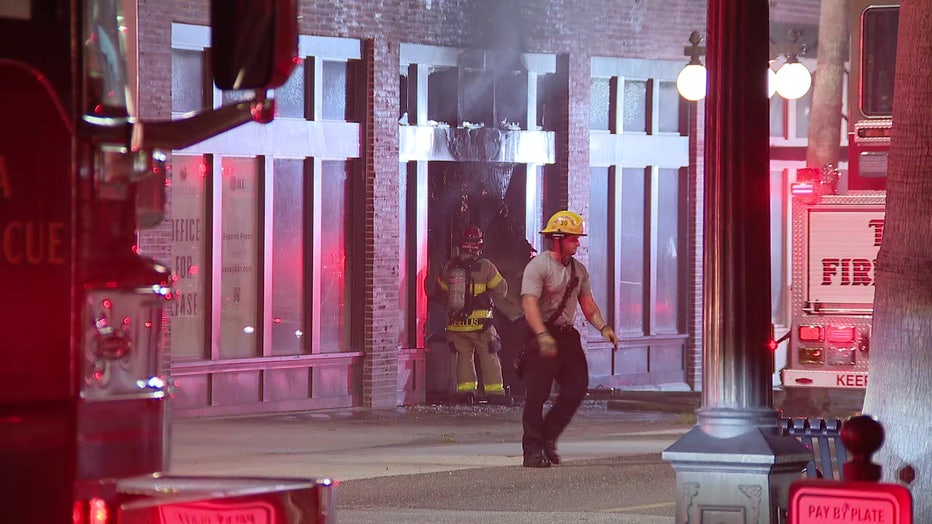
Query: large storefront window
[333,278]
[287,258]
[598,228]
[405,314]
[261,270]
[669,246]
[646,239]
[239,257]
[189,238]
[631,253]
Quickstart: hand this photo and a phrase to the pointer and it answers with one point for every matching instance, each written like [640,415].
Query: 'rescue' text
[29,242]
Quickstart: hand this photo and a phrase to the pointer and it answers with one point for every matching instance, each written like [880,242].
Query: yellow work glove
[546,345]
[609,334]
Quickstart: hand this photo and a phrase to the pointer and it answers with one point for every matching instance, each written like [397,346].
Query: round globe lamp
[691,82]
[793,80]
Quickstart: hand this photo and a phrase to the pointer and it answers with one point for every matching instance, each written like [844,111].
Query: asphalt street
[637,488]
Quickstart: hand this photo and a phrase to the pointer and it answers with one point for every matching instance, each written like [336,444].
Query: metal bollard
[862,436]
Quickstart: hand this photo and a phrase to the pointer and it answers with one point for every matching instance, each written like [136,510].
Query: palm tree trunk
[899,391]
[824,130]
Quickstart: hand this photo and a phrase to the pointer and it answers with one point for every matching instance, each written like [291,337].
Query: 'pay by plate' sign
[833,502]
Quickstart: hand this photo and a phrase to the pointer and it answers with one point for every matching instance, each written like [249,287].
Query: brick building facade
[598,113]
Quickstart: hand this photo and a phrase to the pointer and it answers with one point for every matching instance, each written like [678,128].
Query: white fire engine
[835,241]
[835,237]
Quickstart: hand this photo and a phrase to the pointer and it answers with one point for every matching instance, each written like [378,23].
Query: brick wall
[795,11]
[155,87]
[694,314]
[381,273]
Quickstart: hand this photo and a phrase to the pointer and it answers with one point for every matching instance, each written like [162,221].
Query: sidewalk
[359,444]
[351,444]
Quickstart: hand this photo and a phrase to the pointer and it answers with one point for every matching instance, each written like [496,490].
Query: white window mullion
[651,235]
[216,250]
[267,210]
[315,251]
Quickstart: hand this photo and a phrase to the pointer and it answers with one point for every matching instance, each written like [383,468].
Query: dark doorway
[491,196]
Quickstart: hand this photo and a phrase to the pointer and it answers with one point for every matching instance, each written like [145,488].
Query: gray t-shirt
[547,279]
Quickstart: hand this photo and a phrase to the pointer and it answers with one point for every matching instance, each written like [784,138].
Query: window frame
[651,151]
[284,138]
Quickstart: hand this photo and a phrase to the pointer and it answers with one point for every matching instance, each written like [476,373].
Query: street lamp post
[735,466]
[691,81]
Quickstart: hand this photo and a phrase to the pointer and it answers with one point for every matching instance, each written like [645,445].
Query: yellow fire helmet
[565,223]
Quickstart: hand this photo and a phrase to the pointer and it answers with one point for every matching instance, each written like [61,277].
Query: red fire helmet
[471,240]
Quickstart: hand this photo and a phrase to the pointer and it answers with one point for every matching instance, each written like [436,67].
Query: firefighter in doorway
[470,284]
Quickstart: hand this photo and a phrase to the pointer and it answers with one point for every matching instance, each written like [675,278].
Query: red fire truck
[836,233]
[83,386]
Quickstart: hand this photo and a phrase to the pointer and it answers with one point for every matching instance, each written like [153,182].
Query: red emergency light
[810,333]
[98,513]
[842,334]
[808,174]
[94,512]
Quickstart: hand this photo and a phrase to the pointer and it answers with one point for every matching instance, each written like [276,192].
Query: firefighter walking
[554,282]
[470,284]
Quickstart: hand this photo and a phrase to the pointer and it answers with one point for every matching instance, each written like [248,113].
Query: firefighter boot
[550,451]
[501,400]
[468,398]
[536,459]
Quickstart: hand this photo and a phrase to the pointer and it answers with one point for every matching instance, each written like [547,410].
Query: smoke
[499,26]
[494,87]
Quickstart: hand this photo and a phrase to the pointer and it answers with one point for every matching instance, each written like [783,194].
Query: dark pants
[571,372]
